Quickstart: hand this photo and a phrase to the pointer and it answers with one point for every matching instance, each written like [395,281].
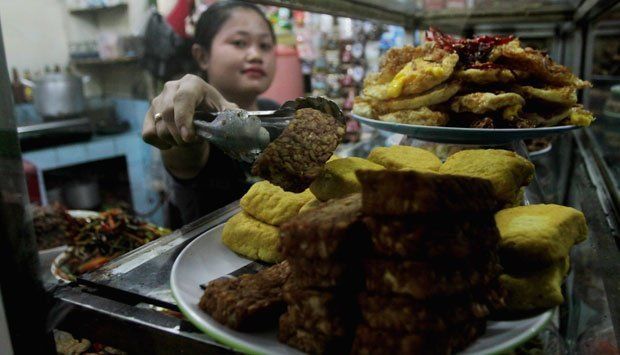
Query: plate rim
[501,134]
[523,337]
[222,339]
[231,343]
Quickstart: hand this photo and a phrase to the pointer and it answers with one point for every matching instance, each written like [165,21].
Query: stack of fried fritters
[433,271]
[323,247]
[483,82]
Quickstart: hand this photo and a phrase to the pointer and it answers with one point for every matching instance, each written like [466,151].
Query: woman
[235,50]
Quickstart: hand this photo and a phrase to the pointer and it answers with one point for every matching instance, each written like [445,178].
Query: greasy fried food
[425,280]
[429,237]
[270,204]
[481,102]
[296,157]
[310,205]
[249,302]
[507,171]
[406,314]
[323,274]
[536,63]
[537,236]
[404,157]
[580,117]
[566,95]
[434,96]
[539,290]
[486,76]
[252,238]
[338,178]
[387,342]
[422,116]
[309,341]
[417,76]
[325,312]
[362,107]
[487,81]
[332,229]
[400,192]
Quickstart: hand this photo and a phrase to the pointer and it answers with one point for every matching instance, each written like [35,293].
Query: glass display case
[128,304]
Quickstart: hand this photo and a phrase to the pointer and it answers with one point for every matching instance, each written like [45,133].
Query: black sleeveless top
[220,182]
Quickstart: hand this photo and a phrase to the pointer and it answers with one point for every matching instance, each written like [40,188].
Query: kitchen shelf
[97,9]
[98,61]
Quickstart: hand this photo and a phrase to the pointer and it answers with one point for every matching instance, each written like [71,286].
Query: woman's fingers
[149,131]
[169,121]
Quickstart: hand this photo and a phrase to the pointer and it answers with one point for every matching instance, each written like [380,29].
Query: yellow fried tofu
[338,178]
[252,238]
[404,157]
[507,171]
[538,235]
[310,205]
[540,290]
[271,204]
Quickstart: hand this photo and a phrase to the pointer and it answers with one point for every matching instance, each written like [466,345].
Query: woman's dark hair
[211,21]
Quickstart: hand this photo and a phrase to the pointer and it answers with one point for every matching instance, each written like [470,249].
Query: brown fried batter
[482,102]
[539,64]
[429,237]
[296,157]
[382,341]
[330,230]
[249,302]
[323,273]
[411,192]
[423,280]
[309,341]
[406,314]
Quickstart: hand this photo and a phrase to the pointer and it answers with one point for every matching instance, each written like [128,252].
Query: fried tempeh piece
[249,302]
[401,192]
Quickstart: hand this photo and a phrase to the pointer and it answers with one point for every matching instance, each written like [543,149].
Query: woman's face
[242,60]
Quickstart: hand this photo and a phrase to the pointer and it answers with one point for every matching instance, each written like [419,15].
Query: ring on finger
[158,116]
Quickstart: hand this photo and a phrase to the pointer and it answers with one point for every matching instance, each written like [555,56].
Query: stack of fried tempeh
[433,271]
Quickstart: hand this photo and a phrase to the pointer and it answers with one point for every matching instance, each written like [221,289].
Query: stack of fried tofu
[432,273]
[324,248]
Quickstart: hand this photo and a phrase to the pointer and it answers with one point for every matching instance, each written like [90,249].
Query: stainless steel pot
[59,95]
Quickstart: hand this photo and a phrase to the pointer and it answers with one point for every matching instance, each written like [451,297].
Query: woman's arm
[168,124]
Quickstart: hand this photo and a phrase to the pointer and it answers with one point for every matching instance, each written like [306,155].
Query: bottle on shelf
[18,88]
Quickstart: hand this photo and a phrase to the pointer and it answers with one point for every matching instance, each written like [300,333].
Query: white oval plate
[206,259]
[463,135]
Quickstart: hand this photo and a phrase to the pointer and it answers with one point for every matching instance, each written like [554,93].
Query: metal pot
[59,95]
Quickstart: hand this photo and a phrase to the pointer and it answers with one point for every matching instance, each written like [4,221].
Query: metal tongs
[243,135]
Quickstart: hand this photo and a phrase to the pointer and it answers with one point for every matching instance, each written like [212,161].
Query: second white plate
[206,259]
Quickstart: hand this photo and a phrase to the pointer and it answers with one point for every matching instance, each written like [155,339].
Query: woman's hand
[169,121]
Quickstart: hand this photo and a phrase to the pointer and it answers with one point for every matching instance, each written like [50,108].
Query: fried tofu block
[404,157]
[404,192]
[427,237]
[507,171]
[540,290]
[249,302]
[406,314]
[424,280]
[252,238]
[310,205]
[271,204]
[537,236]
[338,178]
[331,230]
